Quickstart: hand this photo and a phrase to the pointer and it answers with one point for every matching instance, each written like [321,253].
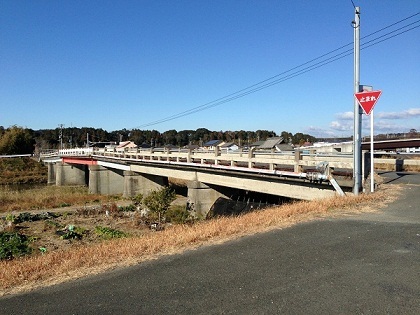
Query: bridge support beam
[136,183]
[202,197]
[69,174]
[105,181]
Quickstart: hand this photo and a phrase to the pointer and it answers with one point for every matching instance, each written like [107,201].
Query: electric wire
[293,72]
[246,91]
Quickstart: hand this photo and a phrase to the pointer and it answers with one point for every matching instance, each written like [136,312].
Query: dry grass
[55,267]
[45,197]
[388,167]
[412,168]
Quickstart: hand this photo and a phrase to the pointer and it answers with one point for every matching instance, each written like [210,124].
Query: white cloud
[341,126]
[320,132]
[409,113]
[384,122]
[345,116]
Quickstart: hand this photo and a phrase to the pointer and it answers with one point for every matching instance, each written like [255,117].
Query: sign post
[367,100]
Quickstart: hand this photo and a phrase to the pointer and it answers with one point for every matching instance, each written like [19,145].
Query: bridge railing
[76,152]
[290,161]
[285,161]
[48,153]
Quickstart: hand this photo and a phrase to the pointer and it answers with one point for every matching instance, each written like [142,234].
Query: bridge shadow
[399,175]
[244,203]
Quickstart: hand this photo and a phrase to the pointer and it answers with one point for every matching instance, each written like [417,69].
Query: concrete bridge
[208,174]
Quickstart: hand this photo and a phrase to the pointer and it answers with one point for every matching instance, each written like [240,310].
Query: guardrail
[14,156]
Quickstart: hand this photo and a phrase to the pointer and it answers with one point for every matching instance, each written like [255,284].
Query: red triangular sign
[367,100]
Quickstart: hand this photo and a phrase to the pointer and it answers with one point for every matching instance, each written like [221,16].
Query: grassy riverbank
[15,171]
[47,197]
[74,262]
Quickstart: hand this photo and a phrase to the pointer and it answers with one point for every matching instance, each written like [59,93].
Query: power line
[293,72]
[391,25]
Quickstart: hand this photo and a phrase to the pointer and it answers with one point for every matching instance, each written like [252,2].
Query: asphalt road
[365,264]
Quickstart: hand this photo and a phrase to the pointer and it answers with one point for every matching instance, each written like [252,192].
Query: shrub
[178,214]
[137,200]
[158,201]
[13,245]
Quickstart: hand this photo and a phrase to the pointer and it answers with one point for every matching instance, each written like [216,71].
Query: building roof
[192,146]
[256,143]
[285,147]
[170,146]
[227,145]
[127,144]
[271,143]
[212,143]
[144,145]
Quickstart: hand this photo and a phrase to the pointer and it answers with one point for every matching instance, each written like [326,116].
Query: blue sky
[127,64]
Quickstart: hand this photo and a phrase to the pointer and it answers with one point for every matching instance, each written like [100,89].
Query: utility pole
[60,137]
[357,131]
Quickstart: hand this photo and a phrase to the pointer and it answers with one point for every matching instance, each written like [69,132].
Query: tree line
[18,140]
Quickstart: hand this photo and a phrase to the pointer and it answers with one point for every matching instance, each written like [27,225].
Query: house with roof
[125,145]
[275,144]
[228,147]
[256,144]
[192,147]
[212,144]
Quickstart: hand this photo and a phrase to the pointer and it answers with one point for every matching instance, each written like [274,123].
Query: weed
[52,223]
[178,214]
[71,232]
[13,245]
[137,200]
[108,233]
[42,249]
[10,217]
[129,208]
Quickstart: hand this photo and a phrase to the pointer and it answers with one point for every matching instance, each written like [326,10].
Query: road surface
[365,264]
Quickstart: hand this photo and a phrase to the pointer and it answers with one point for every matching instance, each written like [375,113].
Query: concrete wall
[105,181]
[201,197]
[69,174]
[51,173]
[136,183]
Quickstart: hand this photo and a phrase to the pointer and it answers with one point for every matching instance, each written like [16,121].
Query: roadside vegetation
[47,197]
[111,246]
[22,171]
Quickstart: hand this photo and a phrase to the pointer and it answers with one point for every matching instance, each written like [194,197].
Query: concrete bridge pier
[51,173]
[202,197]
[105,181]
[68,174]
[138,183]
